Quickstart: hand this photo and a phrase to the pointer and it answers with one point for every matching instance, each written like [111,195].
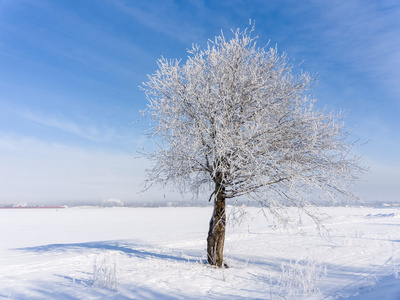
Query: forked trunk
[216,233]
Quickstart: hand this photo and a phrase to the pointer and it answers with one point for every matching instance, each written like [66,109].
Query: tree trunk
[216,233]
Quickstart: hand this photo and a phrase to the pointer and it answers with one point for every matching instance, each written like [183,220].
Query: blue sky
[70,71]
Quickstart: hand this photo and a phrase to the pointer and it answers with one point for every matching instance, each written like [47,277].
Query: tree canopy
[237,112]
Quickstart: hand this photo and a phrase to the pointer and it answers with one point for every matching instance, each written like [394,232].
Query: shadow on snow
[356,276]
[118,246]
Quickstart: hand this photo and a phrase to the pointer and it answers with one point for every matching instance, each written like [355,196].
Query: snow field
[159,253]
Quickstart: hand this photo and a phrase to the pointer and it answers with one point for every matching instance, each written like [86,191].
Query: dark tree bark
[216,233]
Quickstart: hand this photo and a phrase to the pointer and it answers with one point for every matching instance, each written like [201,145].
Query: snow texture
[159,253]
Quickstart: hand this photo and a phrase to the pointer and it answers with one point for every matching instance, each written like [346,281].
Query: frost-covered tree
[235,119]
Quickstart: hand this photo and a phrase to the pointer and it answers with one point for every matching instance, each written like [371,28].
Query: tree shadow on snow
[124,247]
[53,292]
[356,277]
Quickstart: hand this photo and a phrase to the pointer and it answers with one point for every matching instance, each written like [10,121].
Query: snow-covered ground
[159,253]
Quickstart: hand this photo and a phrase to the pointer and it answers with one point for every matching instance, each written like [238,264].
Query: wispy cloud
[165,17]
[87,131]
[355,37]
[366,34]
[74,39]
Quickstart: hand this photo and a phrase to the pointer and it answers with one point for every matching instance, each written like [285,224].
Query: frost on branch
[237,115]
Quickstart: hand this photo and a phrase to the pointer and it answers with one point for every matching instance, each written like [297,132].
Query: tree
[234,119]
